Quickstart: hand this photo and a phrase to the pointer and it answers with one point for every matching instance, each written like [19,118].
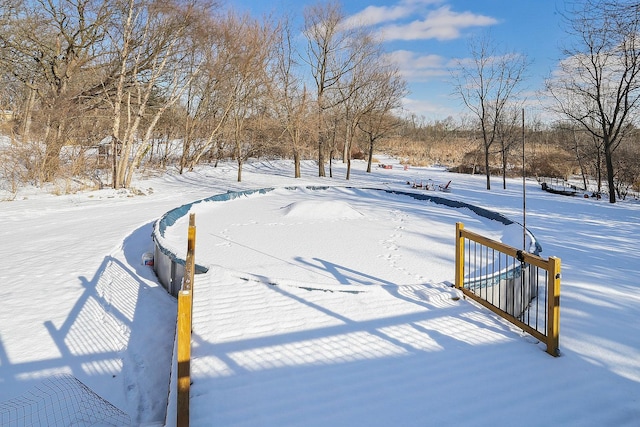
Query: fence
[183,328]
[519,286]
[60,400]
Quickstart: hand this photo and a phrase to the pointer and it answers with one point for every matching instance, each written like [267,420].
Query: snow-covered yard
[324,307]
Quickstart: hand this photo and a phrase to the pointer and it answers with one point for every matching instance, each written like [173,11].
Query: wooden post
[189,268]
[184,357]
[183,328]
[459,257]
[553,307]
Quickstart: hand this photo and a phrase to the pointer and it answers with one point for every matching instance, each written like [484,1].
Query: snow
[312,209]
[327,306]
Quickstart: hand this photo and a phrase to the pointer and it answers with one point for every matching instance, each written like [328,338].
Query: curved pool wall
[169,267]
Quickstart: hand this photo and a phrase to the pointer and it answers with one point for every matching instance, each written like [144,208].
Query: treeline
[95,89]
[559,150]
[125,75]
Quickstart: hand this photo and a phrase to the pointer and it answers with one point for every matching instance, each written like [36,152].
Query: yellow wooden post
[184,357]
[459,257]
[553,307]
[184,326]
[187,281]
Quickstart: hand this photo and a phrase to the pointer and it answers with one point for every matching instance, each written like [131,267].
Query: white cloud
[426,73]
[374,15]
[416,67]
[428,109]
[440,24]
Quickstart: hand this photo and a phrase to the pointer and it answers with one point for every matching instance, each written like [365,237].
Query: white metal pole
[524,194]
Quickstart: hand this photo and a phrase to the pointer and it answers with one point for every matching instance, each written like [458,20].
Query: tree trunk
[610,172]
[331,163]
[504,168]
[123,163]
[114,161]
[26,125]
[486,166]
[186,149]
[51,162]
[599,169]
[321,160]
[346,152]
[296,163]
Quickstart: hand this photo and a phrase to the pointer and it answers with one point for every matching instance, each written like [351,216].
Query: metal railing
[521,287]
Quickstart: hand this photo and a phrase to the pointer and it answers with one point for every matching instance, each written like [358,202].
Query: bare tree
[359,89]
[383,96]
[508,132]
[627,166]
[486,83]
[330,56]
[587,150]
[291,101]
[154,39]
[598,84]
[212,94]
[250,42]
[56,64]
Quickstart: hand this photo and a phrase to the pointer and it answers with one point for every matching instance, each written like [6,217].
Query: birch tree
[155,37]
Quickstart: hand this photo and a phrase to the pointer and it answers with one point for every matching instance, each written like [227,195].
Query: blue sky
[426,37]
